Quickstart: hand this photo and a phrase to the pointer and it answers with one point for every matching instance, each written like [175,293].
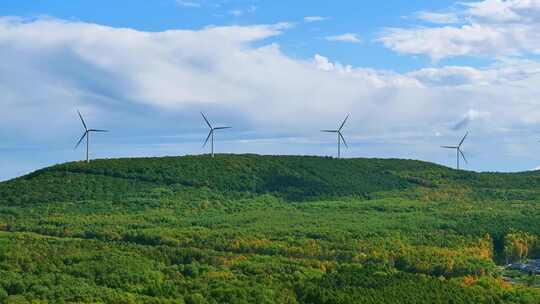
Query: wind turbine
[87,135]
[339,136]
[459,152]
[211,133]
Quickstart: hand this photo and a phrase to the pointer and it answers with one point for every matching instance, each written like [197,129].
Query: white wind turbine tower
[87,135]
[339,135]
[459,152]
[211,133]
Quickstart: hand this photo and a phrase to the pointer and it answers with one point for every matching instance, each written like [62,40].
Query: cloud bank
[149,83]
[490,28]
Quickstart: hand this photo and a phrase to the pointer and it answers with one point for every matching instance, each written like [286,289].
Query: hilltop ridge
[294,178]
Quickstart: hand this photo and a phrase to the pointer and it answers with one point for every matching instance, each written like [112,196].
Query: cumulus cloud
[492,28]
[467,40]
[73,64]
[347,37]
[442,18]
[140,83]
[469,117]
[452,76]
[323,63]
[505,10]
[94,66]
[315,18]
[504,72]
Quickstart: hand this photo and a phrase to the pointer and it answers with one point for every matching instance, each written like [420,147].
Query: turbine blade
[463,155]
[207,122]
[221,128]
[449,147]
[343,123]
[82,120]
[80,140]
[97,130]
[343,138]
[208,137]
[463,139]
[329,131]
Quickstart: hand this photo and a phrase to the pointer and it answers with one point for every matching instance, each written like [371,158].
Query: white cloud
[450,76]
[315,18]
[324,64]
[467,40]
[347,37]
[493,28]
[506,71]
[92,66]
[137,82]
[504,10]
[469,117]
[442,18]
[73,64]
[184,3]
[239,12]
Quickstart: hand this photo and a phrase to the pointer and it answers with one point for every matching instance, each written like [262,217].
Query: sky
[413,75]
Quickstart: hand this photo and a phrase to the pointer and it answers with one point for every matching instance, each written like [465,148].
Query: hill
[265,229]
[295,178]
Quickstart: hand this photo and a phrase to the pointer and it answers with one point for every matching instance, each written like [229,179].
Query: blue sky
[364,18]
[414,75]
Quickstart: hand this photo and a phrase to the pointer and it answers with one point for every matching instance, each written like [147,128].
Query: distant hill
[295,178]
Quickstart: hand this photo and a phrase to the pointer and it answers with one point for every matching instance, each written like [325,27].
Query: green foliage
[292,177]
[317,230]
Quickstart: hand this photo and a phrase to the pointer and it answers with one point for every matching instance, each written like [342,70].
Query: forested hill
[295,178]
[267,229]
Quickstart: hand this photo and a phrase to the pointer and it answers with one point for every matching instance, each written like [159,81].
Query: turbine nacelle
[211,133]
[459,152]
[340,135]
[86,135]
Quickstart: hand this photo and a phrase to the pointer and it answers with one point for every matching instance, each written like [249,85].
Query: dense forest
[266,229]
